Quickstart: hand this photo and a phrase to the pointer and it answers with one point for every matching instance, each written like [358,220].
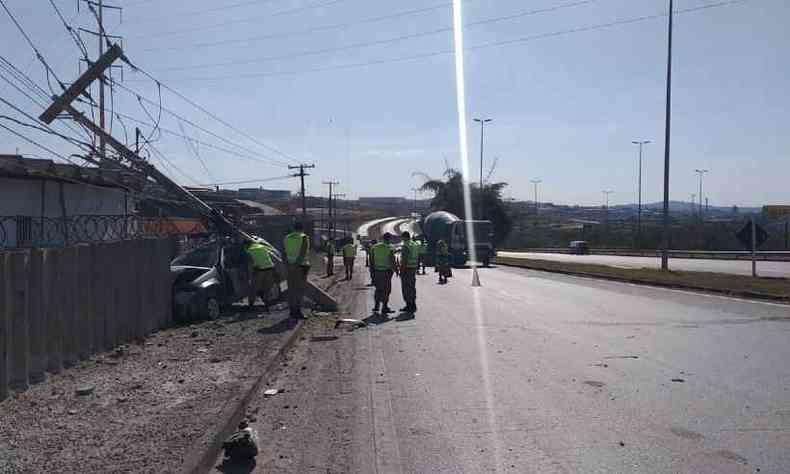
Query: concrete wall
[61,305]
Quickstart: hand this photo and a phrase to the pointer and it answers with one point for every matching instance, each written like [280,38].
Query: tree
[448,195]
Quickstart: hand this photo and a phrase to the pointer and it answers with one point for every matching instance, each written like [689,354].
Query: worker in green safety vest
[330,257]
[297,248]
[443,261]
[349,253]
[384,265]
[409,262]
[262,274]
[423,251]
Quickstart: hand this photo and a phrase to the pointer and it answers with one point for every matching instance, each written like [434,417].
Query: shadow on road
[377,318]
[285,325]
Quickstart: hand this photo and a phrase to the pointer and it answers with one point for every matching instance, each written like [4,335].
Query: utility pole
[536,182]
[482,126]
[98,7]
[701,173]
[331,218]
[334,198]
[641,143]
[100,19]
[667,134]
[301,174]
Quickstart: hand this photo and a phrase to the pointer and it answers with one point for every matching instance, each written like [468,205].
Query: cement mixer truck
[442,225]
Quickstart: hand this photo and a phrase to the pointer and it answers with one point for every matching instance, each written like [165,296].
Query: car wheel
[212,308]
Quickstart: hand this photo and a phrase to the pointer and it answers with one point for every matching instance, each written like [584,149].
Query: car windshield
[205,256]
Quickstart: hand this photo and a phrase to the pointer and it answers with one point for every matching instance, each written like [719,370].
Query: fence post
[4,329]
[36,317]
[53,309]
[68,284]
[16,294]
[84,306]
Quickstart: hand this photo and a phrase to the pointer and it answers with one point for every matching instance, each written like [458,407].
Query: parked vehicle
[207,280]
[442,225]
[579,247]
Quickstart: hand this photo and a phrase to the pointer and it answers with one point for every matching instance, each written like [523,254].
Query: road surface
[365,228]
[556,373]
[737,267]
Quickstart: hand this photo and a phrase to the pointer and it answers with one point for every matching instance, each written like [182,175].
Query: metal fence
[35,232]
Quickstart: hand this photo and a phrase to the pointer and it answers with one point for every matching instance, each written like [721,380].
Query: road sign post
[754,248]
[752,236]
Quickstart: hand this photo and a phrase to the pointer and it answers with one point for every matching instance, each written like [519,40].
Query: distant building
[382,201]
[264,195]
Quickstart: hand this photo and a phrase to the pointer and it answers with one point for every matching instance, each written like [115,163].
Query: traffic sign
[745,235]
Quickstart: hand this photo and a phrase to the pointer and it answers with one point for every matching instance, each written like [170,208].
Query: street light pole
[639,211]
[606,194]
[536,182]
[482,122]
[667,133]
[700,172]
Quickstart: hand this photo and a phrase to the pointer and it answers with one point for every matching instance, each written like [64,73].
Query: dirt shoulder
[776,289]
[147,406]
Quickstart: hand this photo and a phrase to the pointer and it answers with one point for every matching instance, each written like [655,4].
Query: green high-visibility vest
[293,248]
[410,253]
[261,259]
[349,250]
[382,256]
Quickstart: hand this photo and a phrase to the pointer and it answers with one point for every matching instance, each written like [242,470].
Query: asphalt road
[556,373]
[737,267]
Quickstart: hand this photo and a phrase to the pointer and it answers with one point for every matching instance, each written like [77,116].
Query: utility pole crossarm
[78,87]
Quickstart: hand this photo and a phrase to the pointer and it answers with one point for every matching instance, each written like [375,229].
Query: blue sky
[565,107]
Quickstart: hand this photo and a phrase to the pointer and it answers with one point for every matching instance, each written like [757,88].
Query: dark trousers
[408,282]
[261,285]
[348,262]
[382,279]
[297,282]
[330,265]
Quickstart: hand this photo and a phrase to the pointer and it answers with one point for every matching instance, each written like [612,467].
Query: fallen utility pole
[128,159]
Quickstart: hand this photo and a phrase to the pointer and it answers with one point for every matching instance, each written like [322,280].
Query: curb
[744,294]
[228,421]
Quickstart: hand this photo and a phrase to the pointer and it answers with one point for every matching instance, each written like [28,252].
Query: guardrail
[704,254]
[33,232]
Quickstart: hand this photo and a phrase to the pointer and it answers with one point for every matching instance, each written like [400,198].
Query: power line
[307,31]
[212,114]
[388,40]
[248,181]
[38,145]
[178,116]
[193,149]
[202,143]
[198,12]
[245,20]
[483,46]
[32,45]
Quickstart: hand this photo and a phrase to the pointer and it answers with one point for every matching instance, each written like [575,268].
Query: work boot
[386,310]
[376,308]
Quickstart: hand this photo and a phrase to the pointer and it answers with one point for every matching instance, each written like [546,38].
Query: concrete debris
[242,445]
[84,390]
[271,392]
[354,323]
[215,360]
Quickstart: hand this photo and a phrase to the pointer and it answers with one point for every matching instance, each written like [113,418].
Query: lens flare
[458,37]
